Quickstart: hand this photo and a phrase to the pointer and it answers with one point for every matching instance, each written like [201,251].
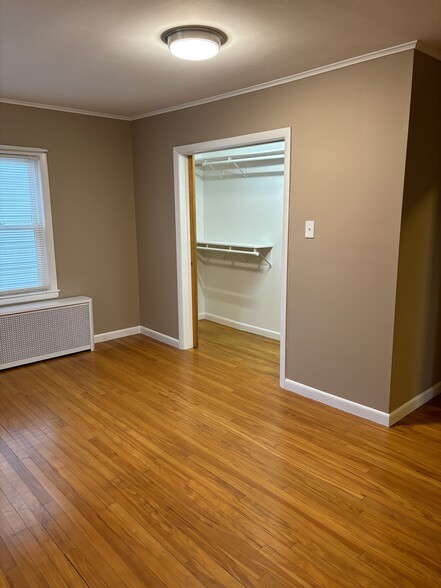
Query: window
[27,260]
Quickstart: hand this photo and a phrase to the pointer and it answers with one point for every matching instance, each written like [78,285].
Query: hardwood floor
[141,465]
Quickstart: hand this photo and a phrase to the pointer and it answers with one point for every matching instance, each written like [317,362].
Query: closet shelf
[263,156]
[273,157]
[255,249]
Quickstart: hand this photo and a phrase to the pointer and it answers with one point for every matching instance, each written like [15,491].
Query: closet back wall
[91,184]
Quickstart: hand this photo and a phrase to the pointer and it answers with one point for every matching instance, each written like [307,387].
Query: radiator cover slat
[58,329]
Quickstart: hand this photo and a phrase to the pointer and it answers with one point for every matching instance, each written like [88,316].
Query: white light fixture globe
[194,42]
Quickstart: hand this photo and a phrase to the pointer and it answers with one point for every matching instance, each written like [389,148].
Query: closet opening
[231,228]
[239,219]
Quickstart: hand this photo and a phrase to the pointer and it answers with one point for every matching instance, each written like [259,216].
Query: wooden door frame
[183,232]
[193,250]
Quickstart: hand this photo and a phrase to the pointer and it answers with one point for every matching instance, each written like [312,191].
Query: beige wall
[349,136]
[91,182]
[417,337]
[349,139]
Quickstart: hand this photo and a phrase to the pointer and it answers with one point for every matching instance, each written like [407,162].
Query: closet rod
[239,251]
[223,250]
[238,160]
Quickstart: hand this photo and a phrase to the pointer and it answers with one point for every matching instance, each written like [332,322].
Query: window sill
[28,297]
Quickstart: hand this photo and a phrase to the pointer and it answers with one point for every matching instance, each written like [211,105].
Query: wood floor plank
[21,554]
[4,583]
[7,562]
[142,465]
[165,525]
[111,545]
[16,579]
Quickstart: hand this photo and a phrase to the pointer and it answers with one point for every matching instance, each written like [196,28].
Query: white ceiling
[106,55]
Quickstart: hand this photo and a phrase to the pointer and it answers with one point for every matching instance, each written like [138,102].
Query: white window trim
[53,291]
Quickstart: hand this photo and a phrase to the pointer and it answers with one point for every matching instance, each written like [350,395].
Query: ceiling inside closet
[107,56]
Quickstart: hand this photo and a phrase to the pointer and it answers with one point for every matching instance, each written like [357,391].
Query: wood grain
[142,465]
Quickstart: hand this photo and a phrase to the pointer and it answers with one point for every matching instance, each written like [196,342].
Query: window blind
[23,255]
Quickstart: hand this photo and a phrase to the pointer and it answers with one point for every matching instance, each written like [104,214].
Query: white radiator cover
[42,330]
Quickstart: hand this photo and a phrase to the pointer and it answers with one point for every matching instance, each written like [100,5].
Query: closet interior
[239,220]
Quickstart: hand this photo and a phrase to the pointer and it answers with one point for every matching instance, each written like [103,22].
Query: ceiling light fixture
[194,42]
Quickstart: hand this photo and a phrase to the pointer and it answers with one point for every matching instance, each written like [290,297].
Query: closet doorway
[232,203]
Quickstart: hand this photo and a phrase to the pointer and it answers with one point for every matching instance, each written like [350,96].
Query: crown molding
[286,80]
[63,109]
[293,78]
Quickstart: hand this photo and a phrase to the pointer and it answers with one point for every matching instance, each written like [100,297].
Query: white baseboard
[365,412]
[414,403]
[136,331]
[371,414]
[117,334]
[240,326]
[159,337]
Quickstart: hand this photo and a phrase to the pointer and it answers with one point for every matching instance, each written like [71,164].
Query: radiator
[42,330]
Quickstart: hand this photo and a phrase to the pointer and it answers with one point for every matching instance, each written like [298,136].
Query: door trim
[194,256]
[182,218]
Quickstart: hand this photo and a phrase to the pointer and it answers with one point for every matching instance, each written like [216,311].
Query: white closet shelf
[274,157]
[278,154]
[237,245]
[239,248]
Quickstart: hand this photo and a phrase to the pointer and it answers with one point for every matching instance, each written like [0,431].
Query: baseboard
[414,403]
[365,412]
[136,331]
[201,316]
[159,337]
[116,334]
[240,326]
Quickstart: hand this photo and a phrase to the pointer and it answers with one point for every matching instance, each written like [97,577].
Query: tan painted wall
[91,182]
[349,130]
[417,337]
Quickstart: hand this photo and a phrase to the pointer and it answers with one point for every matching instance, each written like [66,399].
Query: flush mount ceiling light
[194,42]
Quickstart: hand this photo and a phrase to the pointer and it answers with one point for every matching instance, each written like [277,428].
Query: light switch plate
[309,229]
